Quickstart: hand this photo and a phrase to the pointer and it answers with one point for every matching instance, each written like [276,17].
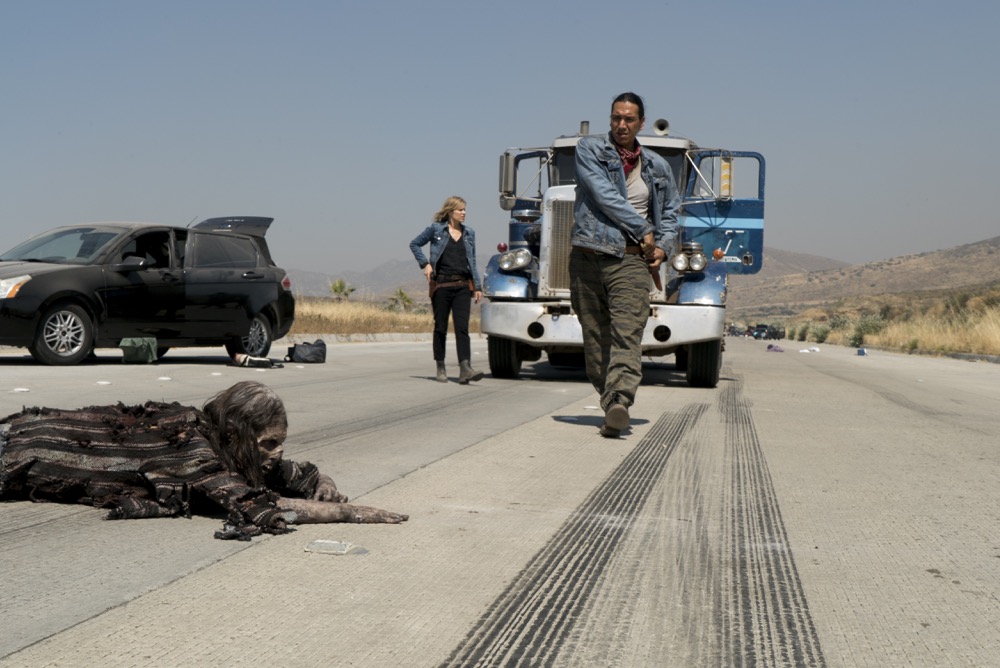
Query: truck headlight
[697,262]
[691,258]
[515,259]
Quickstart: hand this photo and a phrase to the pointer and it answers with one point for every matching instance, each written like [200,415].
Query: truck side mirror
[507,184]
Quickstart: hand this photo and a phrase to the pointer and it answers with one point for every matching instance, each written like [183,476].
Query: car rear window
[220,252]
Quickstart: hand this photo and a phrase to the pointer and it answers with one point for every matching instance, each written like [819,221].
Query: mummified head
[251,426]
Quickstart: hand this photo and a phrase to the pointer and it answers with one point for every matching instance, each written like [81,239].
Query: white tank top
[638,193]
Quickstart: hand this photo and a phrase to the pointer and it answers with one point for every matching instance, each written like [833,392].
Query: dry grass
[978,334]
[955,322]
[963,323]
[325,316]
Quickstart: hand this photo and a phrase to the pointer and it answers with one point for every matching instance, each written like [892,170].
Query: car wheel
[257,342]
[65,336]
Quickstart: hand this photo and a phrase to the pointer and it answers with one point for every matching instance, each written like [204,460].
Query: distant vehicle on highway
[72,289]
[766,332]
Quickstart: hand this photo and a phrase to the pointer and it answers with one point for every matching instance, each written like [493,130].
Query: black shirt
[453,263]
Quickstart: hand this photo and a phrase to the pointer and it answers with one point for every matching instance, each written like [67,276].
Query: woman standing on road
[453,282]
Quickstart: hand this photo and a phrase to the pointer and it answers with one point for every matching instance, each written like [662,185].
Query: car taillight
[286,282]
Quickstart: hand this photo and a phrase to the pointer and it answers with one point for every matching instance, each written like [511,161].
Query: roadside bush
[820,332]
[839,321]
[867,324]
[803,332]
[871,324]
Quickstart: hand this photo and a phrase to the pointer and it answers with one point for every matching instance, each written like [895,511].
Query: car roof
[253,226]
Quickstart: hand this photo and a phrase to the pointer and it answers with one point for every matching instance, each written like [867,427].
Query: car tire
[257,342]
[65,336]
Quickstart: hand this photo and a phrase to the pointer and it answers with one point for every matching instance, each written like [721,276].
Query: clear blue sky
[349,122]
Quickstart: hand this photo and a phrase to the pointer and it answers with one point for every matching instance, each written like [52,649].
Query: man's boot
[442,375]
[616,419]
[467,373]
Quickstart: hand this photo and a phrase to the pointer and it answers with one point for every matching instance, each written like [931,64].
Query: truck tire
[704,363]
[504,360]
[570,360]
[681,359]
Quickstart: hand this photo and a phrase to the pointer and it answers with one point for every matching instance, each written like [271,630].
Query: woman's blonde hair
[453,203]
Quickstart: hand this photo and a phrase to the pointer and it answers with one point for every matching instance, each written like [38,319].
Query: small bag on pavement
[138,350]
[307,353]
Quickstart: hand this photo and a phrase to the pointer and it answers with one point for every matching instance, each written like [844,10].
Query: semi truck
[526,284]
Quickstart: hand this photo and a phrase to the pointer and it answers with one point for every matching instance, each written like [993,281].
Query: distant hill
[778,290]
[374,285]
[782,263]
[788,282]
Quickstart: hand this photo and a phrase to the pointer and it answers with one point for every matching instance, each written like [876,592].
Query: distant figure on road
[165,459]
[453,282]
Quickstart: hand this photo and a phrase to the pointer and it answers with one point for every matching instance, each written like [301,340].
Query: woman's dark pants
[456,301]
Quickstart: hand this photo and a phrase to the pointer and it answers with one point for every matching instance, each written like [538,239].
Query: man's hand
[653,255]
[326,490]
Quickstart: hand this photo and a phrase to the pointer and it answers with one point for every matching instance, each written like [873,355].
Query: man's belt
[629,250]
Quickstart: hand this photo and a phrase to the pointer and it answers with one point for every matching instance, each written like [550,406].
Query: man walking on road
[625,224]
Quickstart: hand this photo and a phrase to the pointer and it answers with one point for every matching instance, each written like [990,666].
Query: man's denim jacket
[438,237]
[603,218]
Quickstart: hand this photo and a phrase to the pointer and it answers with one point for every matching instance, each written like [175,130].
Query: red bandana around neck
[629,158]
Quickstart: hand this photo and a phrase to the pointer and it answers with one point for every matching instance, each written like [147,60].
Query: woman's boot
[442,375]
[467,373]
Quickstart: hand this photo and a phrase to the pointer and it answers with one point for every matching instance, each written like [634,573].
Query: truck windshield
[564,165]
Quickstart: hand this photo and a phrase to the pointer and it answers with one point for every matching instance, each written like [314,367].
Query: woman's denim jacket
[603,219]
[437,235]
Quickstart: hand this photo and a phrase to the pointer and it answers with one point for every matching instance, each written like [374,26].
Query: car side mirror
[130,263]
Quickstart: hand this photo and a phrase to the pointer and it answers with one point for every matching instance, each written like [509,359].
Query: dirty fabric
[153,460]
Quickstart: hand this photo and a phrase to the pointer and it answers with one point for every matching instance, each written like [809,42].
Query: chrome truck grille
[557,277]
[560,246]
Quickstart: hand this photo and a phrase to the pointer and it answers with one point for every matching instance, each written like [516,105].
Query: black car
[76,288]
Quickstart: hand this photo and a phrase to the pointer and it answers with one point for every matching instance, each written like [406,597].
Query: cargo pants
[610,297]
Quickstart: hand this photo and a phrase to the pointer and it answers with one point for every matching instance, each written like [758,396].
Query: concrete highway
[816,509]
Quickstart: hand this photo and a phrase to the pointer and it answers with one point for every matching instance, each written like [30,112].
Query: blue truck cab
[527,310]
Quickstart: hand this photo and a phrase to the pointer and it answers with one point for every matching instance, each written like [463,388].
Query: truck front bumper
[553,325]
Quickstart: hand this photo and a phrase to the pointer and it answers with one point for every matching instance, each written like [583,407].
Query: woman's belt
[433,285]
